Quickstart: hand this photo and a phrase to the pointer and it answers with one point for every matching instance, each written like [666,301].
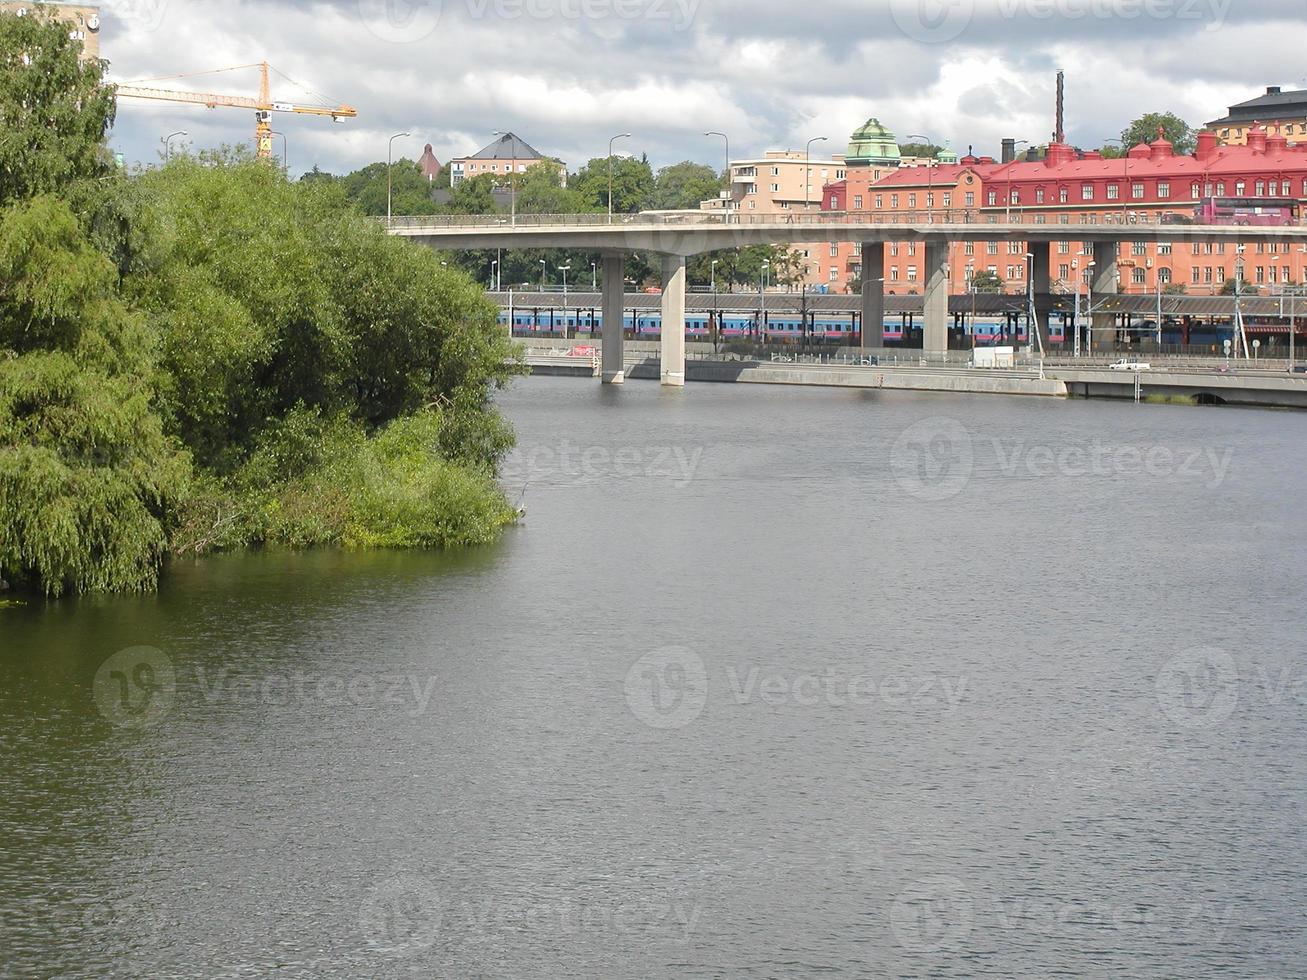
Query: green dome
[872,144]
[946,156]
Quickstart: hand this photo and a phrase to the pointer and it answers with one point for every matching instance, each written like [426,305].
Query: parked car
[1125,364]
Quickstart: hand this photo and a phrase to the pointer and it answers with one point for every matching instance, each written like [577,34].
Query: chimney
[1257,138]
[1009,150]
[1207,143]
[1060,135]
[1272,90]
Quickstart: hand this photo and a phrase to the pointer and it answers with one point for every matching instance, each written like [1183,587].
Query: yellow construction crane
[263,106]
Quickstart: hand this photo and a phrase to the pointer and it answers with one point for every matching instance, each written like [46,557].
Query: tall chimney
[1060,136]
[1009,150]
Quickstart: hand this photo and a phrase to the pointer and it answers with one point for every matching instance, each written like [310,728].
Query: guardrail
[955,217]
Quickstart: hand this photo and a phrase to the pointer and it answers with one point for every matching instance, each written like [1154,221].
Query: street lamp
[619,136]
[543,264]
[564,269]
[713,276]
[727,139]
[285,151]
[930,178]
[494,275]
[390,155]
[807,171]
[762,294]
[512,183]
[167,144]
[594,277]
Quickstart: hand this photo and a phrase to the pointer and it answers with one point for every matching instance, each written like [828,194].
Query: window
[1207,274]
[1198,249]
[1137,191]
[775,188]
[1261,273]
[880,201]
[993,198]
[912,273]
[1194,191]
[1261,188]
[834,250]
[991,248]
[1240,188]
[857,202]
[1087,192]
[1014,196]
[912,201]
[948,198]
[785,205]
[857,248]
[1220,189]
[1039,195]
[969,248]
[1138,248]
[1137,276]
[930,200]
[1010,273]
[894,248]
[834,274]
[1063,248]
[834,203]
[1113,192]
[912,248]
[1164,276]
[1163,248]
[894,273]
[1194,275]
[841,174]
[894,201]
[1064,272]
[1285,190]
[775,171]
[1015,248]
[1063,195]
[1163,189]
[971,199]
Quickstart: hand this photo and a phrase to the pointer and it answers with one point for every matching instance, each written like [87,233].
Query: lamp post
[1089,313]
[285,150]
[716,314]
[727,139]
[390,152]
[594,277]
[564,269]
[619,136]
[512,183]
[930,178]
[543,264]
[762,294]
[807,171]
[494,275]
[167,144]
[712,273]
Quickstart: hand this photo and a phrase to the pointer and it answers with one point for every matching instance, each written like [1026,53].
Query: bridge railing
[953,217]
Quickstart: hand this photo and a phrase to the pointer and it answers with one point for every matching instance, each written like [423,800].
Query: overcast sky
[565,75]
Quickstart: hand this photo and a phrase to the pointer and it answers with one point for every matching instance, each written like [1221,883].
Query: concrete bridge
[677,235]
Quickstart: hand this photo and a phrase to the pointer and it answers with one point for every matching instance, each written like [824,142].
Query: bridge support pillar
[873,295]
[1041,281]
[614,354]
[935,299]
[1105,282]
[672,348]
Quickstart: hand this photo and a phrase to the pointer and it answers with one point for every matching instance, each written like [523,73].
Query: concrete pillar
[673,326]
[873,294]
[1041,280]
[935,299]
[1104,282]
[614,362]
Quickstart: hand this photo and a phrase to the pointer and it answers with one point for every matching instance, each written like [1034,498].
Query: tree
[366,188]
[55,110]
[1173,289]
[920,149]
[1232,286]
[632,182]
[684,185]
[985,281]
[540,191]
[1177,131]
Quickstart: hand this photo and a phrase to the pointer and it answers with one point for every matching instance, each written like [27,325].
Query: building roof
[507,147]
[872,144]
[1275,104]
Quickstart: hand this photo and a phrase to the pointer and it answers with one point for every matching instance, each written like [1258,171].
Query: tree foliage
[54,111]
[632,184]
[1177,131]
[684,185]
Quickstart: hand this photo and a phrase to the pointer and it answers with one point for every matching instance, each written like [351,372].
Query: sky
[566,75]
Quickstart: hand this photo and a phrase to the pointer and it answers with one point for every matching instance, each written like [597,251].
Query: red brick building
[1070,188]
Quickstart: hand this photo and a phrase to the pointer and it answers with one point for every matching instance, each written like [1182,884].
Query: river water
[770,682]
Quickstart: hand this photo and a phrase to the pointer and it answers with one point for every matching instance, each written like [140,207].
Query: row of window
[1138,191]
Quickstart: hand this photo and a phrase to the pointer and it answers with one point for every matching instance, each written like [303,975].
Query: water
[771,682]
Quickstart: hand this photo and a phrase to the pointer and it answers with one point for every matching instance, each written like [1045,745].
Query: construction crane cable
[326,102]
[193,74]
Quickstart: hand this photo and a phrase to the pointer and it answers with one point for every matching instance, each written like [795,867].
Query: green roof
[872,143]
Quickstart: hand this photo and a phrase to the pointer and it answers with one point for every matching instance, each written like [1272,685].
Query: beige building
[1279,112]
[782,183]
[507,155]
[83,20]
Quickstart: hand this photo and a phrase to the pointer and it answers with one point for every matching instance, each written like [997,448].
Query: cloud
[568,74]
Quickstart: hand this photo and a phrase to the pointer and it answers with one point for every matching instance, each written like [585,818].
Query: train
[781,328]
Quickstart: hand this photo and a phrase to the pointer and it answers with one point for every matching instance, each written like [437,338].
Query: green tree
[684,185]
[54,110]
[1177,131]
[632,182]
[1232,286]
[985,281]
[474,195]
[366,188]
[920,149]
[540,191]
